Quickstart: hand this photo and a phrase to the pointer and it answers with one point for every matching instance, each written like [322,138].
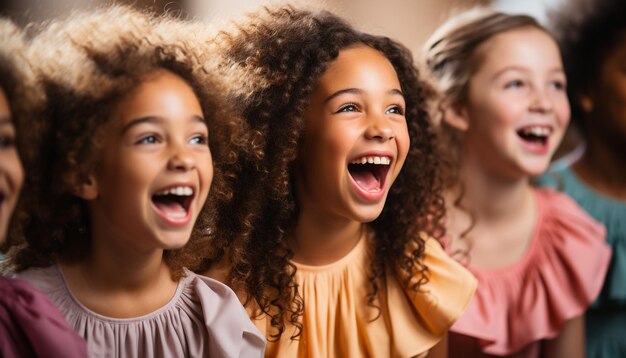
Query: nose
[379,128]
[541,101]
[181,159]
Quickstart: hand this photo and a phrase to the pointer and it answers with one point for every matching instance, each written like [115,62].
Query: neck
[117,265]
[320,239]
[124,268]
[490,197]
[603,167]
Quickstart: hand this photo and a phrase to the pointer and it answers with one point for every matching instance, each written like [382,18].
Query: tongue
[171,208]
[366,180]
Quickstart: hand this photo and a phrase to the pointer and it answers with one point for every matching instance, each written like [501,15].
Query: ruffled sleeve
[30,326]
[438,304]
[557,279]
[231,332]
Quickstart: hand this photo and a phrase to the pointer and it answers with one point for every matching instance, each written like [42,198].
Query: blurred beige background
[409,21]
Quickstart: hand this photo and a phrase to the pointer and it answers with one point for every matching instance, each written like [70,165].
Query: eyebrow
[5,121]
[523,69]
[393,91]
[155,120]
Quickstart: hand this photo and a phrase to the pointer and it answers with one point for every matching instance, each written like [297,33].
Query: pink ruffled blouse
[203,319]
[560,275]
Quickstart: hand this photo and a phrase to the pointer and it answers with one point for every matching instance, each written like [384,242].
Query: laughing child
[334,264]
[30,325]
[136,134]
[538,257]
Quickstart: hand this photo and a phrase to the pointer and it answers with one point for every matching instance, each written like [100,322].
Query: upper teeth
[177,190]
[372,160]
[538,131]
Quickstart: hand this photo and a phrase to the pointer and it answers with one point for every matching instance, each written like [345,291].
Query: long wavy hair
[283,53]
[87,64]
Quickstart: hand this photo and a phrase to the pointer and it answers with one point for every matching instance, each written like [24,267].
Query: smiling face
[356,138]
[516,108]
[156,167]
[11,173]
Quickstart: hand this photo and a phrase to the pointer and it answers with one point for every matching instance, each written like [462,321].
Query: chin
[367,216]
[174,242]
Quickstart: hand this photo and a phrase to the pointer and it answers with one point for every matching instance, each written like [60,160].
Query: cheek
[12,165]
[563,111]
[616,94]
[490,112]
[207,172]
[403,139]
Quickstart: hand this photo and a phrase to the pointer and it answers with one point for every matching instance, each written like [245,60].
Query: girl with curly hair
[30,325]
[539,258]
[341,257]
[592,37]
[135,132]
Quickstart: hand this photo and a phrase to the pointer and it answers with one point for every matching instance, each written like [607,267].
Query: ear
[84,187]
[586,103]
[456,116]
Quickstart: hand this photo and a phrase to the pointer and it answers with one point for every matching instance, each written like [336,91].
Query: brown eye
[348,108]
[7,142]
[199,139]
[149,139]
[514,84]
[396,110]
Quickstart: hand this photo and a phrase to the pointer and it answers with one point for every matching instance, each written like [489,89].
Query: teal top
[606,319]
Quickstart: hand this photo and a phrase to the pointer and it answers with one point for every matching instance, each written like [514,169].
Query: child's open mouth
[174,204]
[369,173]
[535,135]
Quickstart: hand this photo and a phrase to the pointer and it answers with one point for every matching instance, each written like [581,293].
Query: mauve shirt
[31,326]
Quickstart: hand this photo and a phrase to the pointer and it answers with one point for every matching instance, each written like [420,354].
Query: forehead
[359,66]
[522,46]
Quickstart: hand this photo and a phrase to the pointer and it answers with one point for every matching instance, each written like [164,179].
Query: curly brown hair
[586,31]
[86,64]
[284,52]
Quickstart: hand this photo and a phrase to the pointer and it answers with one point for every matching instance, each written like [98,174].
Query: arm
[440,350]
[570,342]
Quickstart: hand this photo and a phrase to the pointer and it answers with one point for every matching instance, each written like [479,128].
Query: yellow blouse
[337,321]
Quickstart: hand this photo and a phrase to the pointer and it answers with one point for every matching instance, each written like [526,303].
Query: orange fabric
[338,322]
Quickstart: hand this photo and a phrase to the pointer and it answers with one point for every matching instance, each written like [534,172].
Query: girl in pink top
[538,257]
[30,325]
[133,125]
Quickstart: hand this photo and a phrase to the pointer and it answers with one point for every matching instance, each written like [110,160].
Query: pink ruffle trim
[557,279]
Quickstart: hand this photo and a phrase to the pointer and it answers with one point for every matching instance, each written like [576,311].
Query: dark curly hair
[284,52]
[86,64]
[586,31]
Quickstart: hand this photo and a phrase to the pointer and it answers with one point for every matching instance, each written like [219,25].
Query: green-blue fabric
[606,318]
